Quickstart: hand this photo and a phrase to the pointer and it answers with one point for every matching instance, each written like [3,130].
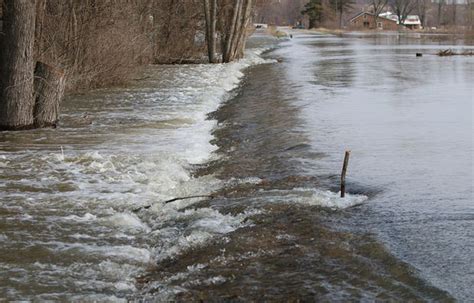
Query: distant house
[385,21]
[410,22]
[366,20]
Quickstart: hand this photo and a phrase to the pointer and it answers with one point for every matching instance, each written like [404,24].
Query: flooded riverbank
[67,226]
[266,140]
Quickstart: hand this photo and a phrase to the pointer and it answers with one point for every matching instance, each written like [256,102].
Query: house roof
[409,20]
[412,20]
[360,14]
[370,14]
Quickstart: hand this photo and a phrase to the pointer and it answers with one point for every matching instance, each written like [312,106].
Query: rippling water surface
[265,139]
[409,124]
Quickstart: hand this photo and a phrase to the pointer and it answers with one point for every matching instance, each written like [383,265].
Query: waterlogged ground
[264,139]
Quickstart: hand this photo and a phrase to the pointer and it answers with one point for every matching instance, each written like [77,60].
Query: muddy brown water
[266,140]
[291,252]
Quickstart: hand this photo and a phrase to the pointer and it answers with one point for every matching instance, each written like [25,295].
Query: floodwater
[266,141]
[409,124]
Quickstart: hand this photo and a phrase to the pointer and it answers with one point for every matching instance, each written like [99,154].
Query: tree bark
[207,19]
[237,31]
[212,31]
[226,53]
[49,87]
[40,13]
[240,45]
[210,14]
[17,65]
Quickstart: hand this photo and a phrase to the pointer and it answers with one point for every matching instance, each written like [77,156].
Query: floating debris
[450,52]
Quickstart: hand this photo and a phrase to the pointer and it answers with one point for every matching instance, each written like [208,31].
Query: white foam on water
[127,222]
[85,218]
[315,197]
[197,227]
[80,197]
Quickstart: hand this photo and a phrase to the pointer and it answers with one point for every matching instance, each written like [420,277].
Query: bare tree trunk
[210,14]
[17,65]
[237,31]
[454,13]
[212,32]
[49,89]
[440,9]
[207,17]
[240,45]
[226,52]
[40,12]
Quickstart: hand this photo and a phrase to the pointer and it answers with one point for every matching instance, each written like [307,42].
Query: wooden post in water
[343,173]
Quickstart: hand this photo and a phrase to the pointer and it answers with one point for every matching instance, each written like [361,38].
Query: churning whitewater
[69,230]
[68,195]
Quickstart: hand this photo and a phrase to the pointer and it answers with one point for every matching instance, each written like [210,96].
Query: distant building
[412,22]
[385,21]
[365,20]
[389,15]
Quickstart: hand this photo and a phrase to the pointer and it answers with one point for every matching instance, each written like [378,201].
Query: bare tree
[341,6]
[83,44]
[378,6]
[421,9]
[440,4]
[402,8]
[229,20]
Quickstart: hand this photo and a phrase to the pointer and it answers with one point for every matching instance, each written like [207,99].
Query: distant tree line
[279,12]
[336,13]
[49,46]
[432,13]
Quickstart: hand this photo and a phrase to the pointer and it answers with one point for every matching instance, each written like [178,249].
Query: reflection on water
[408,121]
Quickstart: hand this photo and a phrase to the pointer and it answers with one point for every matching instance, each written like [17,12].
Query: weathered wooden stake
[343,174]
